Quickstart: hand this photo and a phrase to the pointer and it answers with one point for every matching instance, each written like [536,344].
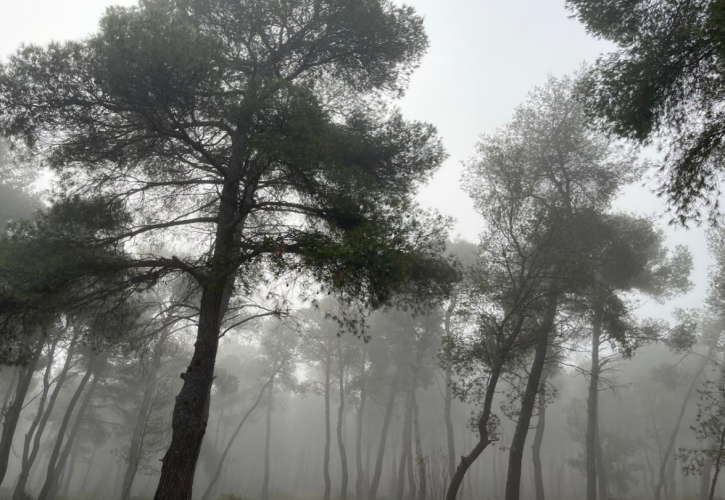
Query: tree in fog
[663,82]
[224,119]
[540,183]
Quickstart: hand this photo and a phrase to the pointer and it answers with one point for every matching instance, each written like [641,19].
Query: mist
[362,250]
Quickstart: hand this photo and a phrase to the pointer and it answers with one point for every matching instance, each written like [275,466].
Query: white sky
[484,56]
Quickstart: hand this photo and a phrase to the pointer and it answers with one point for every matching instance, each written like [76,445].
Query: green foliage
[664,80]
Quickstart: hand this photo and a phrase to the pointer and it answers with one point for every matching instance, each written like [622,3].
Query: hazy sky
[484,56]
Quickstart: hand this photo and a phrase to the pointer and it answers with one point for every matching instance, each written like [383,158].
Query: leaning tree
[255,138]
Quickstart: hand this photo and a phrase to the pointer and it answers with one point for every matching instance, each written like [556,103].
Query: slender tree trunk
[592,409]
[223,457]
[12,414]
[53,469]
[449,390]
[86,476]
[140,427]
[483,440]
[69,473]
[267,441]
[705,477]
[37,428]
[528,402]
[70,445]
[340,421]
[405,449]
[683,408]
[326,458]
[360,473]
[373,493]
[419,457]
[409,461]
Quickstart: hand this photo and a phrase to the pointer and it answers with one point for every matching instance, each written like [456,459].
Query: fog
[361,249]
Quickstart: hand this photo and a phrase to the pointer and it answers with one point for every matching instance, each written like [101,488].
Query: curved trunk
[374,483]
[189,418]
[340,421]
[223,457]
[538,440]
[12,414]
[36,430]
[483,440]
[360,473]
[528,402]
[267,441]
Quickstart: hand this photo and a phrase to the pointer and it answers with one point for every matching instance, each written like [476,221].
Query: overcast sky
[484,56]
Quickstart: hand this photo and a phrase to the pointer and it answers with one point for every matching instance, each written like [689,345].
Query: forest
[220,278]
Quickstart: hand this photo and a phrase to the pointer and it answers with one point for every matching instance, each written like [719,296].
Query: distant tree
[257,130]
[664,81]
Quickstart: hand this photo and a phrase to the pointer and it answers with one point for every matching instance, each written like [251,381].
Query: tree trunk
[528,402]
[483,440]
[340,421]
[449,391]
[51,476]
[705,479]
[37,428]
[11,387]
[373,493]
[87,475]
[139,430]
[268,440]
[419,457]
[70,445]
[538,440]
[69,473]
[683,408]
[405,449]
[223,457]
[360,473]
[592,404]
[326,458]
[12,414]
[601,464]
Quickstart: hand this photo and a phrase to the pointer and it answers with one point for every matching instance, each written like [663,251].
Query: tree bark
[12,414]
[268,440]
[528,402]
[360,472]
[37,428]
[373,493]
[340,421]
[592,409]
